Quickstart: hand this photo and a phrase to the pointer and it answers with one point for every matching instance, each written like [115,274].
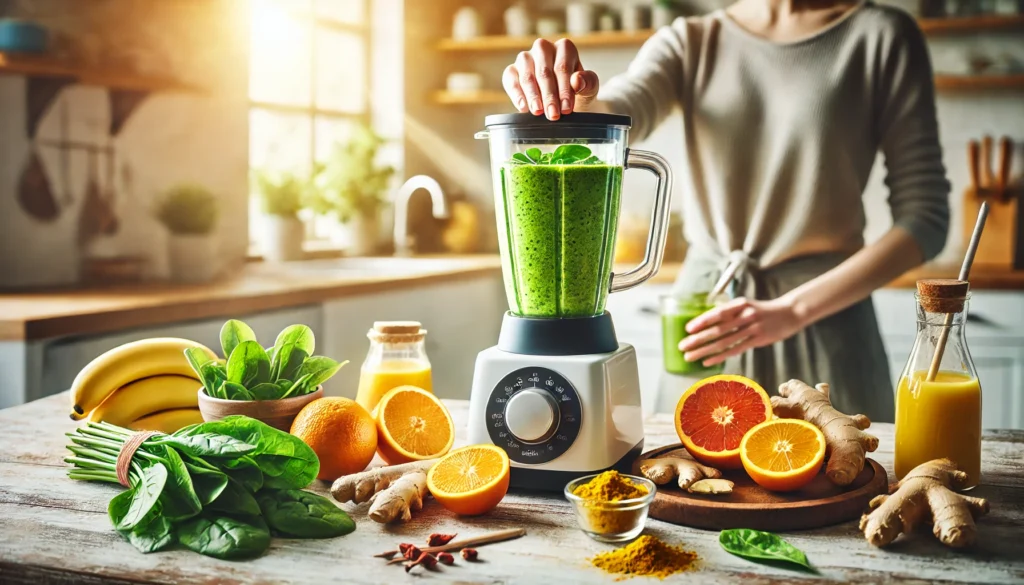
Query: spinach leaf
[248,364]
[287,361]
[235,500]
[207,483]
[224,537]
[534,155]
[303,514]
[519,157]
[179,499]
[285,460]
[197,358]
[233,333]
[141,498]
[299,387]
[235,391]
[570,153]
[265,391]
[213,376]
[152,534]
[298,336]
[757,545]
[245,471]
[198,443]
[319,369]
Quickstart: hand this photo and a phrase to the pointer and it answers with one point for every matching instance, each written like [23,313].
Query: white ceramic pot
[360,236]
[282,238]
[517,21]
[549,26]
[467,24]
[579,18]
[662,16]
[192,258]
[633,18]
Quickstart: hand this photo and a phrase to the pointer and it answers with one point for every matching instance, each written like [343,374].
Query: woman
[785,106]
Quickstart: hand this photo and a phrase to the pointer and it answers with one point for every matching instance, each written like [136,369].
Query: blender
[558,392]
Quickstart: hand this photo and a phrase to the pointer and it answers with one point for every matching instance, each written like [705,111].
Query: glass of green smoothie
[557,189]
[676,312]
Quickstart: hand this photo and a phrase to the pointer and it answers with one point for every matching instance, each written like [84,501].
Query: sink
[364,267]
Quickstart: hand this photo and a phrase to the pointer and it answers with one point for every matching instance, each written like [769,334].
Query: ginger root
[360,487]
[926,490]
[399,499]
[662,470]
[846,443]
[712,486]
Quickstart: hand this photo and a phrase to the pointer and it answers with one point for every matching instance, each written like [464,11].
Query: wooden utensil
[986,162]
[820,503]
[34,193]
[1003,170]
[972,164]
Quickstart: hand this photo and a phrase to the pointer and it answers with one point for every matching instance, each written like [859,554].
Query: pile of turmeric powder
[604,489]
[646,556]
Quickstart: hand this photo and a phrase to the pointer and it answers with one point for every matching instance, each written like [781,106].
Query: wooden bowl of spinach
[269,384]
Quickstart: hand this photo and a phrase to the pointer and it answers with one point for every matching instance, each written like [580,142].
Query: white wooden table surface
[53,529]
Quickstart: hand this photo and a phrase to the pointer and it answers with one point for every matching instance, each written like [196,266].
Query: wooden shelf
[39,66]
[505,43]
[978,82]
[969,24]
[485,96]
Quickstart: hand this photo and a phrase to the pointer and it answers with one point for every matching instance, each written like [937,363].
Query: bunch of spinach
[756,545]
[566,154]
[218,488]
[252,372]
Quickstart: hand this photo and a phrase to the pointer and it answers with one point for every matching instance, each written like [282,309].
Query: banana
[146,396]
[126,364]
[168,421]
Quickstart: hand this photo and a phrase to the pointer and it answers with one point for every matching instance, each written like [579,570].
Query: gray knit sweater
[780,138]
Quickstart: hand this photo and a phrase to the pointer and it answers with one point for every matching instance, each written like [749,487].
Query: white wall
[172,137]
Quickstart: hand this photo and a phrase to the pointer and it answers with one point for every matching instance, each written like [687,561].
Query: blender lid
[574,119]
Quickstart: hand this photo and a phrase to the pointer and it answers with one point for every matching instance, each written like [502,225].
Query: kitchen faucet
[440,209]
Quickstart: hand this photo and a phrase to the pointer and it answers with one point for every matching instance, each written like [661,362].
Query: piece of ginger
[360,487]
[846,443]
[926,491]
[662,470]
[394,491]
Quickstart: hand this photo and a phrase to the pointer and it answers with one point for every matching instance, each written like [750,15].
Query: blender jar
[557,189]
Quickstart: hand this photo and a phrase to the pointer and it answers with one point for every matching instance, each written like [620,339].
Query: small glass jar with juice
[938,403]
[397,357]
[676,313]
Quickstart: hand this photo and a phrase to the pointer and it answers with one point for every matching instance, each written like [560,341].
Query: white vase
[633,18]
[517,21]
[282,238]
[360,236]
[467,24]
[192,258]
[579,18]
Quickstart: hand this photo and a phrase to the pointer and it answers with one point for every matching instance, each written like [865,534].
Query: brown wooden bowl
[276,413]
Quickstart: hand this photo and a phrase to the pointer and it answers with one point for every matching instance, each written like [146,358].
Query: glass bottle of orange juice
[397,357]
[938,404]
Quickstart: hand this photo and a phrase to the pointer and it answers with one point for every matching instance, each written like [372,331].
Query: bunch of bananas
[142,385]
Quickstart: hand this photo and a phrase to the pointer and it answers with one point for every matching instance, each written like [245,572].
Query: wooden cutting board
[820,503]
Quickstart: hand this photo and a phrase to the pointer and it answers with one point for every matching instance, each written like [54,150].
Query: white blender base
[611,420]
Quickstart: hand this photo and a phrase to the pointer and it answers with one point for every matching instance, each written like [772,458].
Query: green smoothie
[676,313]
[560,222]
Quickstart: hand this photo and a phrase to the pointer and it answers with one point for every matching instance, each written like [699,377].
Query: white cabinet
[461,318]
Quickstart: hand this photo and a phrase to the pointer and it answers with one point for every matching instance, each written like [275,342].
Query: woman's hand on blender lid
[550,80]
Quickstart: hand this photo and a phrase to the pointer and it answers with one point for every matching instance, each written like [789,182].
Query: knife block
[1002,244]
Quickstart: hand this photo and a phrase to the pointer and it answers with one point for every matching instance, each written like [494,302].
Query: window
[309,80]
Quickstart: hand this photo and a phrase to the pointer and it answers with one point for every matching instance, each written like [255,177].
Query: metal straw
[723,281]
[965,270]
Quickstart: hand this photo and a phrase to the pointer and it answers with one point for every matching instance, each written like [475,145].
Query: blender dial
[531,415]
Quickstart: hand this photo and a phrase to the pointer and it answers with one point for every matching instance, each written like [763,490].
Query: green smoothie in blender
[561,222]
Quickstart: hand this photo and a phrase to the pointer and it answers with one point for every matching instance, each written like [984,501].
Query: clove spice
[469,554]
[446,558]
[426,559]
[437,539]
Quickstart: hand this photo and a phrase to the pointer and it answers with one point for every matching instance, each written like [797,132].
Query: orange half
[713,415]
[412,425]
[784,454]
[471,480]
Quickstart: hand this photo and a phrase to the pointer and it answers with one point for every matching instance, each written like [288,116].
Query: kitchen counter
[257,287]
[54,529]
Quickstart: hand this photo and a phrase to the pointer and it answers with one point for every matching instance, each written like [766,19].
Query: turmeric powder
[647,556]
[598,511]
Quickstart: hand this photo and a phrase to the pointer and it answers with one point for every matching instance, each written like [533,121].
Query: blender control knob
[531,415]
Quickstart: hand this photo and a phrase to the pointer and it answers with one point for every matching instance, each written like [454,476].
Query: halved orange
[783,455]
[412,425]
[471,480]
[713,415]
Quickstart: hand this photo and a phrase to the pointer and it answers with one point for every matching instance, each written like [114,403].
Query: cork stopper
[942,295]
[397,331]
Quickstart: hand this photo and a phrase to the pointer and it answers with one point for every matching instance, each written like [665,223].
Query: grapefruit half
[713,415]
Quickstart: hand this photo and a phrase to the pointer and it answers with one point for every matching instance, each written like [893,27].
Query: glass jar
[397,357]
[676,313]
[938,403]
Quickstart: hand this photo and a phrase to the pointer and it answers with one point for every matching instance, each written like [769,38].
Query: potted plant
[352,187]
[282,196]
[270,384]
[189,212]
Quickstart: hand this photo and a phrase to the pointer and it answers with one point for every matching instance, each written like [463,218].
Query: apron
[845,350]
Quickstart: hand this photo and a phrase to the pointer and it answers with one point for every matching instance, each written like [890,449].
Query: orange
[471,480]
[412,425]
[340,432]
[783,455]
[713,414]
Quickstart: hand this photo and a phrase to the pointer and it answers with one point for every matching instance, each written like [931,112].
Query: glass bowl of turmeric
[611,506]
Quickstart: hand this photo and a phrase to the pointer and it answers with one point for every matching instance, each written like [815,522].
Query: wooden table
[53,529]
